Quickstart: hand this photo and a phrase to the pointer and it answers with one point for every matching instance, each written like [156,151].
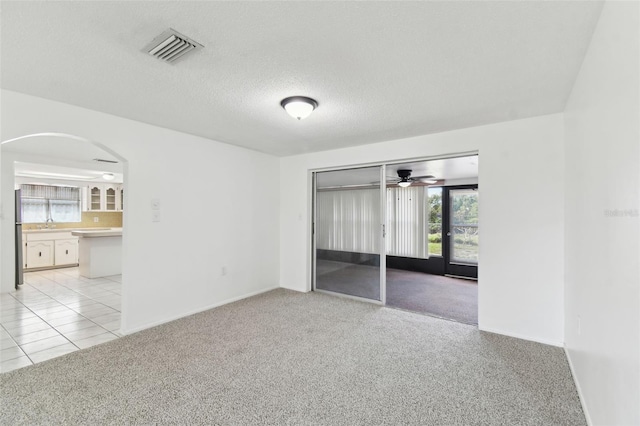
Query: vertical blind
[407,222]
[349,220]
[42,202]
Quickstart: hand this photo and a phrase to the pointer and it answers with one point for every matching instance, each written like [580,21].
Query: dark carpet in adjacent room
[445,297]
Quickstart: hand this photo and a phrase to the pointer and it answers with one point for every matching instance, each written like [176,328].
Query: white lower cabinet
[49,249]
[39,254]
[66,252]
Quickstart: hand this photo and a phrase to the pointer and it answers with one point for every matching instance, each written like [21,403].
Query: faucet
[46,223]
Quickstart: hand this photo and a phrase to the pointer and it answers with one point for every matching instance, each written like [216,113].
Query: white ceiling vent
[171,45]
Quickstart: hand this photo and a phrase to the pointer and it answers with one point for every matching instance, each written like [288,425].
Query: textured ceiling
[379,70]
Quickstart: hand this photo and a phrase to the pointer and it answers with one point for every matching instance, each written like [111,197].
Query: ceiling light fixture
[299,106]
[405,178]
[107,176]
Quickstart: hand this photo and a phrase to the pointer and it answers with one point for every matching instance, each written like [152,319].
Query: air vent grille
[171,45]
[102,160]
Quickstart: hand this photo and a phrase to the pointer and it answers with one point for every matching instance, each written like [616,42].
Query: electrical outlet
[96,219]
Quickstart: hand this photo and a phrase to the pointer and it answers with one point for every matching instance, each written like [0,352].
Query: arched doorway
[75,195]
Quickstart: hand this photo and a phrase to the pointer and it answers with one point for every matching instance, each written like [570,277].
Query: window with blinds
[43,202]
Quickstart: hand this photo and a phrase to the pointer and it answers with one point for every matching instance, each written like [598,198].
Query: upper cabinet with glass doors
[104,197]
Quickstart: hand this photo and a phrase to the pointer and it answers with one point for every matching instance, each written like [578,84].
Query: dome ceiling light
[299,106]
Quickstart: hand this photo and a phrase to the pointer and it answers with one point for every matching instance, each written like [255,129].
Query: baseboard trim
[578,388]
[294,289]
[196,311]
[523,337]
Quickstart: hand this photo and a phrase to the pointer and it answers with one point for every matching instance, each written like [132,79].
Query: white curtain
[42,202]
[34,210]
[408,222]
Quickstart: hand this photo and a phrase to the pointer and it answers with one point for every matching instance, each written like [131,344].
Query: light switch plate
[155,217]
[155,204]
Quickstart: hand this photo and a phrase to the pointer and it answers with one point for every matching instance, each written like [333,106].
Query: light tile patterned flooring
[56,312]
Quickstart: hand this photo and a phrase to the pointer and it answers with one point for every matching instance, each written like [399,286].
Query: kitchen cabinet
[39,254]
[66,252]
[49,248]
[103,197]
[94,202]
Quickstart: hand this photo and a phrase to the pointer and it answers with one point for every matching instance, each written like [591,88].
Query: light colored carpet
[291,358]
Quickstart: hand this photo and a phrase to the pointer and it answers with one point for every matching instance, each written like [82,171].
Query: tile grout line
[17,344]
[45,321]
[32,287]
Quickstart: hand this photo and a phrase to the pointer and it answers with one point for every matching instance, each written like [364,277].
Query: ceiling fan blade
[424,177]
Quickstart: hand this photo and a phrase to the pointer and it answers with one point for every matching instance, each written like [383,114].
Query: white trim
[396,161]
[196,311]
[523,337]
[383,238]
[311,248]
[580,394]
[296,289]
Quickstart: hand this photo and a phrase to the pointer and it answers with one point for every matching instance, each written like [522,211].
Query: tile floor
[56,312]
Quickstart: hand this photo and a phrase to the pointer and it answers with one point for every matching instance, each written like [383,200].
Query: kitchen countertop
[96,232]
[36,231]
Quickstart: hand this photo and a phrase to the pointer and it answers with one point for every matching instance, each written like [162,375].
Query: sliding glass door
[349,232]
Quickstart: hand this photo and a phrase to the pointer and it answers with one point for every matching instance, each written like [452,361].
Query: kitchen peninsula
[100,252]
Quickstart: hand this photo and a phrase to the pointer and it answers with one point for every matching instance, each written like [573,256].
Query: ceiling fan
[405,179]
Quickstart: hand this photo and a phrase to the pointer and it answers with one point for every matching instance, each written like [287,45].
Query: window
[43,202]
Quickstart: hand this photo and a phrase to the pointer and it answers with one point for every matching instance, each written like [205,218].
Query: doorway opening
[68,195]
[410,243]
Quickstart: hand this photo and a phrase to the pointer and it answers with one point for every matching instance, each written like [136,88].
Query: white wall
[521,176]
[173,267]
[602,122]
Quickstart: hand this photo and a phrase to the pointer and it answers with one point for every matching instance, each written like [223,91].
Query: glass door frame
[311,241]
[381,233]
[452,268]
